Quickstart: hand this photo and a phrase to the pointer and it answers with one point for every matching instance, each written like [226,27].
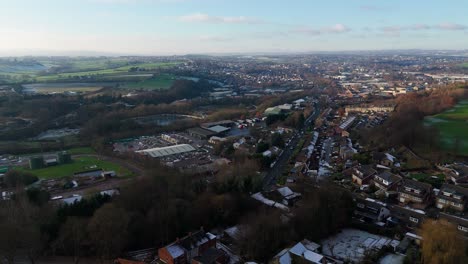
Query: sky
[172,27]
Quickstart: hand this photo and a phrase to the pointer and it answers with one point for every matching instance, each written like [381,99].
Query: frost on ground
[351,244]
[392,259]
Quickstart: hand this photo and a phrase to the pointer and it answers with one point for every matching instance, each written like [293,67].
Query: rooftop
[167,151]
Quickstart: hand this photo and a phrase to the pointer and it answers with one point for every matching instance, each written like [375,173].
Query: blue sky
[152,27]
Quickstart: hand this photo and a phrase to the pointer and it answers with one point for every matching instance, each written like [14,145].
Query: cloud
[451,26]
[215,38]
[204,18]
[394,30]
[338,28]
[335,29]
[420,27]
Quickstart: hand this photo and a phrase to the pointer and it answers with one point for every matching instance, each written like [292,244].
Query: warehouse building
[167,151]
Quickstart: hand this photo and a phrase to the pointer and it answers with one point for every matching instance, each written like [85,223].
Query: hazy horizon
[176,27]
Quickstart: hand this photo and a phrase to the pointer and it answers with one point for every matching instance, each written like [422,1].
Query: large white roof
[167,151]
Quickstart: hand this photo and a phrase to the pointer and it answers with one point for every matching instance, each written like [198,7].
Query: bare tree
[108,231]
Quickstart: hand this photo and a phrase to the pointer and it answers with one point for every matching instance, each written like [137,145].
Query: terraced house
[411,191]
[195,247]
[452,197]
[386,181]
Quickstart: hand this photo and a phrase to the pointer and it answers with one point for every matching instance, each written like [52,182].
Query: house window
[360,205]
[462,228]
[412,219]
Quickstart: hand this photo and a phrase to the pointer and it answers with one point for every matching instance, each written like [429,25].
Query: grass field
[453,128]
[78,164]
[164,81]
[45,88]
[464,65]
[104,72]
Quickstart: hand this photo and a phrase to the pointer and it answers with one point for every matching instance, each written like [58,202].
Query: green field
[453,128]
[112,72]
[78,164]
[49,88]
[161,82]
[464,65]
[78,69]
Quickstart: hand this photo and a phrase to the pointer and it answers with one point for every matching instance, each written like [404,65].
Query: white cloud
[204,18]
[451,26]
[335,29]
[420,27]
[394,30]
[338,28]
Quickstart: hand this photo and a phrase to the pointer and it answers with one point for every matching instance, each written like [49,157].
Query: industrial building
[167,151]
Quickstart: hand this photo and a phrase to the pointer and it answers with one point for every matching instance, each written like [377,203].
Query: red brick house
[184,250]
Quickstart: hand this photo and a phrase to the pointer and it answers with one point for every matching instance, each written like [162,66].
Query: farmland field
[453,128]
[106,71]
[43,88]
[161,82]
[78,164]
[78,69]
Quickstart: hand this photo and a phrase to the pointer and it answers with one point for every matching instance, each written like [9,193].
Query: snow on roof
[175,251]
[72,200]
[232,231]
[284,257]
[310,245]
[218,128]
[376,201]
[110,192]
[392,259]
[210,236]
[413,236]
[390,157]
[167,151]
[300,250]
[415,210]
[382,167]
[313,257]
[285,191]
[259,197]
[352,244]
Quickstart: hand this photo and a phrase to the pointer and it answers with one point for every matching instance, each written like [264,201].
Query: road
[281,163]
